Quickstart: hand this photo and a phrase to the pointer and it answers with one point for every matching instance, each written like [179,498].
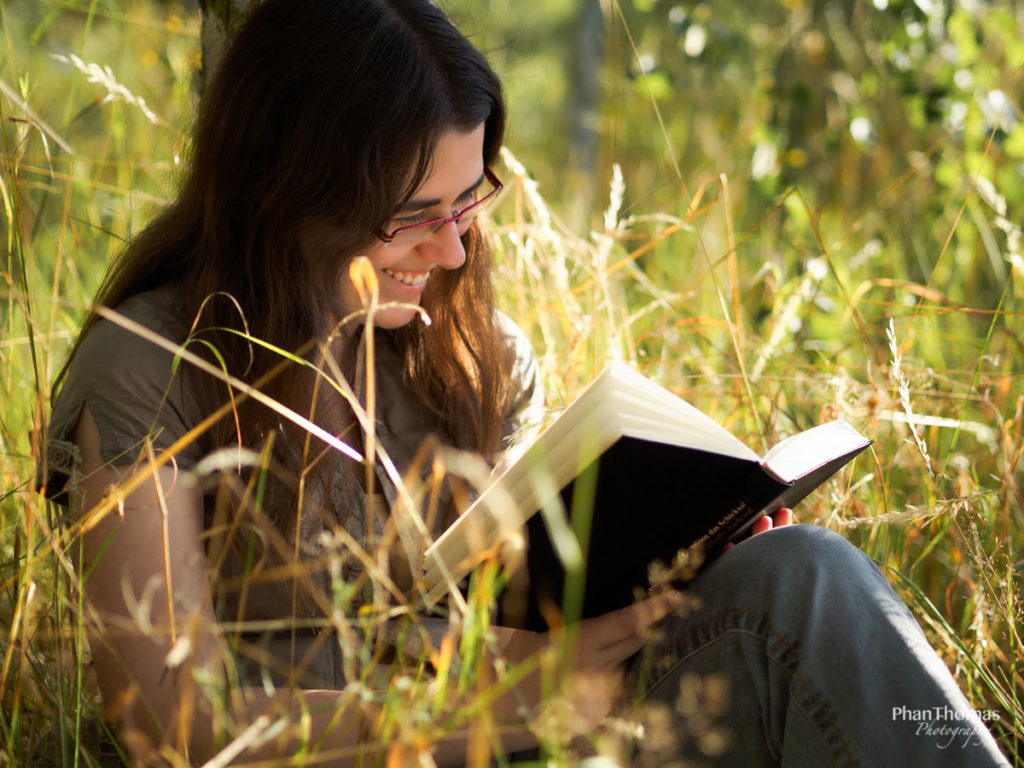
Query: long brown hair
[314,118]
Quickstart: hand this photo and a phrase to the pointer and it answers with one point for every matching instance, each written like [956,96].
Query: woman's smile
[409,278]
[404,272]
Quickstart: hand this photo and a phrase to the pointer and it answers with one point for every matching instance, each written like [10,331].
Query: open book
[627,475]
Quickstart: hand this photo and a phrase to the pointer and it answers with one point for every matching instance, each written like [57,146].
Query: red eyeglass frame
[389,237]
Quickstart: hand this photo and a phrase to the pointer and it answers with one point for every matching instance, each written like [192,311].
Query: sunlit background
[785,211]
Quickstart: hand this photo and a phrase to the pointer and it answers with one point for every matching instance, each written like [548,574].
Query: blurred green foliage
[797,178]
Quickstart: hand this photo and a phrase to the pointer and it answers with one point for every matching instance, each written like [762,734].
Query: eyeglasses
[414,233]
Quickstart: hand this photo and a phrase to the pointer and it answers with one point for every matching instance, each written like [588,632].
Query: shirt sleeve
[135,392]
[526,414]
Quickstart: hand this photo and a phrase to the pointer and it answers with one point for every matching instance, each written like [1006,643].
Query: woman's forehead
[457,167]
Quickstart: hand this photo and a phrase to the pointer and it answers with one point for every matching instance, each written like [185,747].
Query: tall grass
[770,326]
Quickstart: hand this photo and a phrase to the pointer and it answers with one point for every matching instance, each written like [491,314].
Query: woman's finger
[761,525]
[607,656]
[607,640]
[630,622]
[783,517]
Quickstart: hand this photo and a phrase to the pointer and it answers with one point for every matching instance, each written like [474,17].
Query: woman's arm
[144,577]
[124,573]
[143,572]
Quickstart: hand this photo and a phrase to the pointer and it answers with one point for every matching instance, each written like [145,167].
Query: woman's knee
[797,563]
[801,549]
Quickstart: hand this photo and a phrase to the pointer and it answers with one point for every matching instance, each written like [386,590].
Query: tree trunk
[585,71]
[220,18]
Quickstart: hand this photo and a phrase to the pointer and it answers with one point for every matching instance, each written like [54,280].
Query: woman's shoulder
[527,405]
[121,350]
[133,386]
[517,341]
[157,311]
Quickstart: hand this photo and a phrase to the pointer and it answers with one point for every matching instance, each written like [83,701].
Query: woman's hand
[602,642]
[775,520]
[596,649]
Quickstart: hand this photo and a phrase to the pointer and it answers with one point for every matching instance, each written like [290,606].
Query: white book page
[674,420]
[547,465]
[619,401]
[529,483]
[797,455]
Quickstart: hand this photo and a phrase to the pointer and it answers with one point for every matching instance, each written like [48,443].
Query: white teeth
[408,278]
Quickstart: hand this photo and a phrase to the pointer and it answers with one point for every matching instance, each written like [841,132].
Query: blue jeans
[798,653]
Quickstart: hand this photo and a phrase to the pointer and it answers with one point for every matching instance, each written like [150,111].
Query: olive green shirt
[136,390]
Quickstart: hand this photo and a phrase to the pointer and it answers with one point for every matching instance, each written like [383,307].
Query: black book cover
[642,496]
[650,500]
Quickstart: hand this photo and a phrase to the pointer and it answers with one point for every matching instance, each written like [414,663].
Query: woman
[369,128]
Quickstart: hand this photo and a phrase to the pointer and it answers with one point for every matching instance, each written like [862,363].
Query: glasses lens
[412,235]
[406,236]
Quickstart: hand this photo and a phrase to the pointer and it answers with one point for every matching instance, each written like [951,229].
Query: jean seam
[827,713]
[763,630]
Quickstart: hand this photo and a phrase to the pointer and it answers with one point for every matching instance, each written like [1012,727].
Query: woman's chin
[395,317]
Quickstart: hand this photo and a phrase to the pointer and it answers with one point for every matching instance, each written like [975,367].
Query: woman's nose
[444,247]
